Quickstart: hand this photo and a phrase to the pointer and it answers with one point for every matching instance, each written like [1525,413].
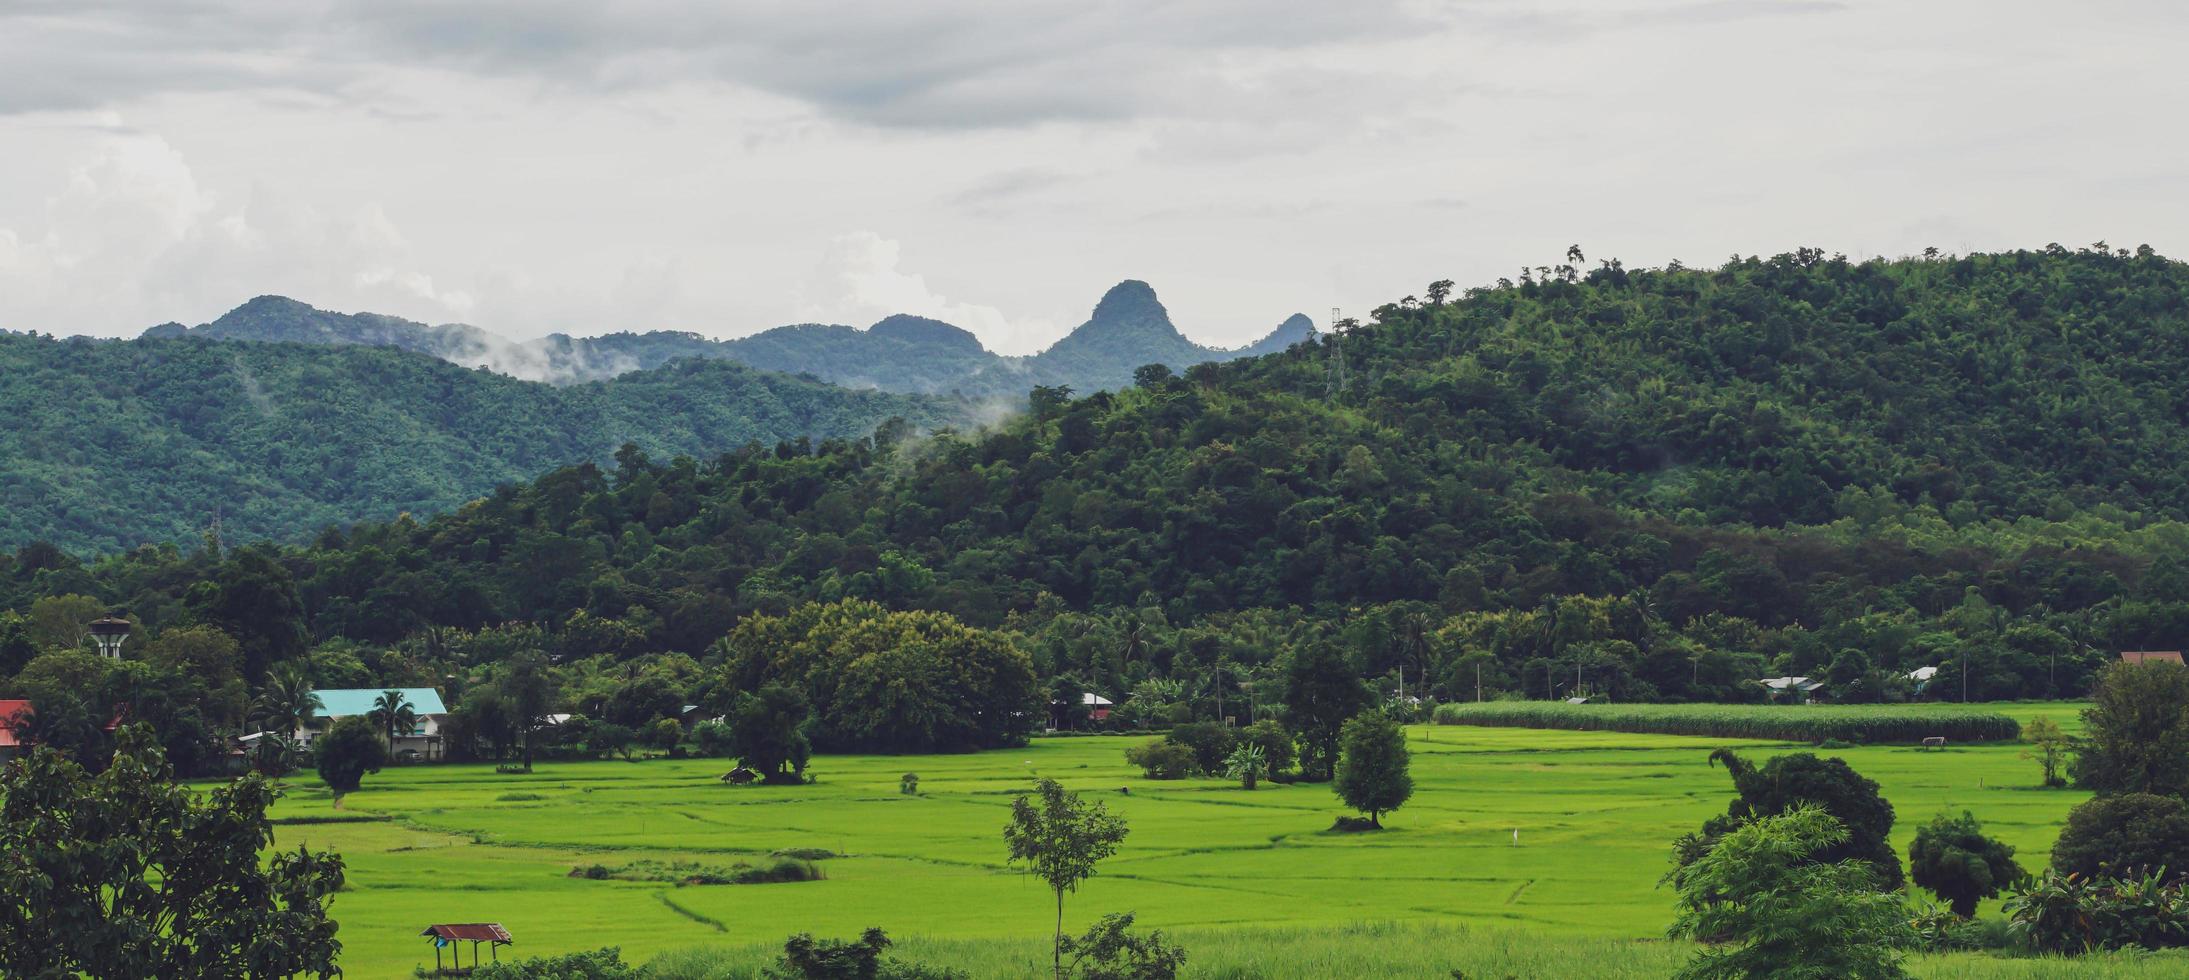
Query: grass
[1872,724]
[1252,882]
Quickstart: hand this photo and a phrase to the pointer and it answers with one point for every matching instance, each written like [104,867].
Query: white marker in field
[1516,837]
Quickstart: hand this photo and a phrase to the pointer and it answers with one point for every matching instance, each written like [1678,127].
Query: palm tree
[391,711]
[288,701]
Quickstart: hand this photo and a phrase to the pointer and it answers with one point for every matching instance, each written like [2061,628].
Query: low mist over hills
[900,353]
[111,444]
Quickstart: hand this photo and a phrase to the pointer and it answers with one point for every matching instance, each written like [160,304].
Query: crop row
[1870,724]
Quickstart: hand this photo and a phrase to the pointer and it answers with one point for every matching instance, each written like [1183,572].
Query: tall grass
[1395,949]
[1865,723]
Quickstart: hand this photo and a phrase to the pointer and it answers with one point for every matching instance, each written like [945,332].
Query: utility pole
[1478,682]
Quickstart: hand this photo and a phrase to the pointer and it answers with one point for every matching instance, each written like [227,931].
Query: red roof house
[2147,656]
[10,712]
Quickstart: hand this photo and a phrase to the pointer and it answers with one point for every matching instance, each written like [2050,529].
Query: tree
[349,750]
[2120,835]
[2048,745]
[173,882]
[1770,909]
[1060,839]
[1954,860]
[664,734]
[1372,770]
[1247,764]
[607,737]
[1321,693]
[1788,781]
[1273,740]
[287,702]
[769,732]
[526,690]
[2136,731]
[393,713]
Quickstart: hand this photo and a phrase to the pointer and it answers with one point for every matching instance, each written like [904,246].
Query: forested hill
[112,444]
[899,353]
[1676,480]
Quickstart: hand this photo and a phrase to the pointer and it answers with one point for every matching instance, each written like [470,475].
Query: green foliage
[1788,782]
[768,732]
[782,869]
[1247,764]
[1803,723]
[2125,834]
[1952,858]
[714,739]
[807,958]
[1110,951]
[2049,746]
[1773,910]
[2136,731]
[890,681]
[281,439]
[909,784]
[1061,839]
[598,964]
[2072,914]
[350,749]
[1210,742]
[1274,741]
[1322,692]
[1161,759]
[1373,765]
[130,874]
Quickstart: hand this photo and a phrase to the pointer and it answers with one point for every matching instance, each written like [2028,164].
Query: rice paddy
[1540,843]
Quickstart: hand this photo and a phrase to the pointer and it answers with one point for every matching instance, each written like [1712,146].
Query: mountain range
[902,353]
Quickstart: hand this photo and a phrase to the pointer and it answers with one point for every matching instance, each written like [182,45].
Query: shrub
[1861,724]
[350,749]
[909,784]
[1109,951]
[2049,746]
[2136,731]
[807,958]
[2074,913]
[782,869]
[518,797]
[1161,760]
[599,964]
[1954,860]
[1209,742]
[1246,765]
[1765,905]
[1274,741]
[2120,834]
[806,853]
[713,739]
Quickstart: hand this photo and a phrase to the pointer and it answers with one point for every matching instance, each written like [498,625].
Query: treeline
[1645,485]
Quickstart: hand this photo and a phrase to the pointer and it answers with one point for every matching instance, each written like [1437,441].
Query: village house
[421,741]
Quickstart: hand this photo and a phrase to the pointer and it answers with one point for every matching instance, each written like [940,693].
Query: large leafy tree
[1786,782]
[1769,908]
[2136,731]
[1372,766]
[768,733]
[1321,693]
[128,874]
[349,750]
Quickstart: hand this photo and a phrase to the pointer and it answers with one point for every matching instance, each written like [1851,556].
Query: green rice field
[1253,882]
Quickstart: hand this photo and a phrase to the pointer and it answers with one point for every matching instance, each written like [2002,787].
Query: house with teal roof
[421,740]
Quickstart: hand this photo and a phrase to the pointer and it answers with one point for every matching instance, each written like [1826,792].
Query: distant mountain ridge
[900,353]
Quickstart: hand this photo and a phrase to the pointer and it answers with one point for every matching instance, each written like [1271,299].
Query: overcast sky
[534,166]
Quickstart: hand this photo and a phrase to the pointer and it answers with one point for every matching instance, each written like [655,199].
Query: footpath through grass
[1252,881]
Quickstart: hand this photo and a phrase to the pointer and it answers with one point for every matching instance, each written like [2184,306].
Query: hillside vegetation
[114,444]
[1668,482]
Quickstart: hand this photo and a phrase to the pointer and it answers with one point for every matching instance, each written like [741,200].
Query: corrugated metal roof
[9,711]
[347,701]
[471,932]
